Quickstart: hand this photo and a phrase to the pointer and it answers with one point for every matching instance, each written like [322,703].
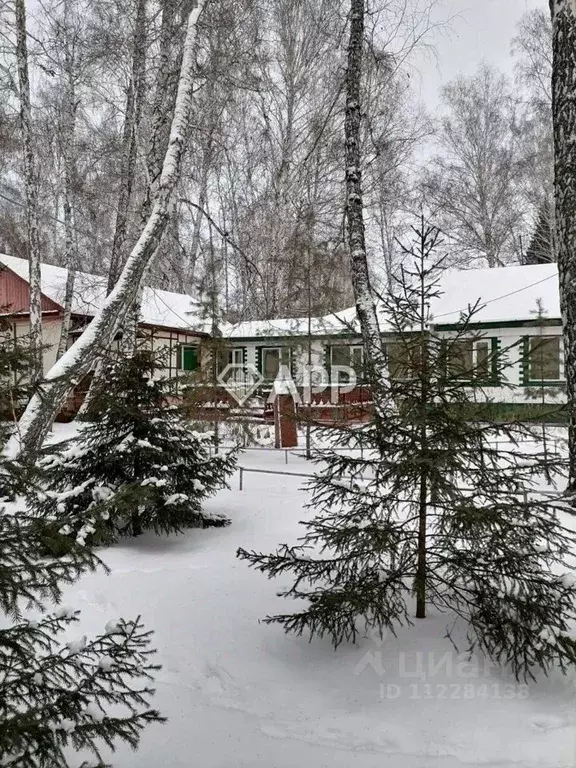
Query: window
[544,361]
[398,365]
[188,358]
[272,358]
[349,356]
[403,358]
[236,356]
[470,359]
[483,363]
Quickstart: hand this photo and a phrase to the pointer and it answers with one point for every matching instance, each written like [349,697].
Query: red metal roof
[15,294]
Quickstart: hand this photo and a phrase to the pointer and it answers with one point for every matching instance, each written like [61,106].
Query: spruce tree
[541,247]
[59,697]
[137,464]
[446,513]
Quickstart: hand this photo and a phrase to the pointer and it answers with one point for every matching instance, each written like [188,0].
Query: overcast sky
[481,30]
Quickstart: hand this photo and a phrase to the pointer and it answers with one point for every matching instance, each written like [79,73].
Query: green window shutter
[259,359]
[189,358]
[327,357]
[525,361]
[244,355]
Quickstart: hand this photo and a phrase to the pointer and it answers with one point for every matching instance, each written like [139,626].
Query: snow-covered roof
[504,294]
[159,308]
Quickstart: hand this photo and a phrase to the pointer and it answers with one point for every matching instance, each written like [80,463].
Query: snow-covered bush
[136,464]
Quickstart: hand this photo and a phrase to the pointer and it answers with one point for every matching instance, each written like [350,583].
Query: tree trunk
[134,101]
[71,259]
[376,368]
[132,116]
[162,107]
[67,315]
[77,361]
[31,183]
[564,117]
[67,136]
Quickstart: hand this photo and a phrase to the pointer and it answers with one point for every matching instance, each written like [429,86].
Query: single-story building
[167,319]
[518,310]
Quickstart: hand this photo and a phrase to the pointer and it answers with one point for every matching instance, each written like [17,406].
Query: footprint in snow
[274,730]
[549,722]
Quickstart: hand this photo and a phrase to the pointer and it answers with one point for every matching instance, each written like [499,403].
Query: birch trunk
[68,153]
[376,367]
[77,361]
[71,260]
[31,184]
[132,118]
[564,118]
[162,108]
[134,101]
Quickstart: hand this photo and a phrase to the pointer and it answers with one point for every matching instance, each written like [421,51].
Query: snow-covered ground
[242,694]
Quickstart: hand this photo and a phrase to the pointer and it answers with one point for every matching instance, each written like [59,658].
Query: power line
[497,298]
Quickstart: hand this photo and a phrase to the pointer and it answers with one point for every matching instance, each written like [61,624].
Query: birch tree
[46,402]
[66,55]
[132,115]
[376,367]
[564,118]
[31,186]
[473,181]
[532,47]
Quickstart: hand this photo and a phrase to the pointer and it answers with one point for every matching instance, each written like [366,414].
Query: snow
[241,694]
[504,294]
[159,308]
[106,663]
[76,646]
[507,293]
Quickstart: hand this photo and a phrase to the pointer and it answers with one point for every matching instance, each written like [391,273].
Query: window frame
[352,348]
[529,380]
[489,376]
[181,350]
[353,364]
[280,349]
[234,352]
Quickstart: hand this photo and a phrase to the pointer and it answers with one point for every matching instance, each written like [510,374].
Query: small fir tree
[137,464]
[58,697]
[445,512]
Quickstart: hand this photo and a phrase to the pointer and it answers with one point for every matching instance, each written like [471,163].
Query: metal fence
[243,470]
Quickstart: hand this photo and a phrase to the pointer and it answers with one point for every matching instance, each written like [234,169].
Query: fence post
[241,484]
[285,456]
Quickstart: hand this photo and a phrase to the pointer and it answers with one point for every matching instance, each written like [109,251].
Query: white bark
[59,381]
[31,184]
[67,139]
[67,314]
[376,368]
[134,103]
